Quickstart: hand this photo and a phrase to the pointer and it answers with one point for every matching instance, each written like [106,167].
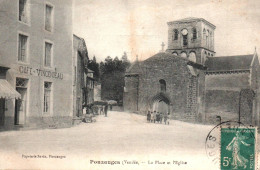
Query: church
[191,83]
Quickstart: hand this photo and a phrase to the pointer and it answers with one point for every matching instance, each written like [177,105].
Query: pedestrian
[101,110]
[148,116]
[111,107]
[106,108]
[154,116]
[157,117]
[167,118]
[161,117]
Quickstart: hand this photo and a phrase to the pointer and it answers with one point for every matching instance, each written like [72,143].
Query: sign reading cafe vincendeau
[40,72]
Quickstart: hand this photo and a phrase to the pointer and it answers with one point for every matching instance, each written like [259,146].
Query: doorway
[160,106]
[160,103]
[2,112]
[20,104]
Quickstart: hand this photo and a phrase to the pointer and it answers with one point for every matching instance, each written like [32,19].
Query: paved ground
[118,137]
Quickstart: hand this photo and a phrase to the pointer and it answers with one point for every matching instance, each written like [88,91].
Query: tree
[125,61]
[94,66]
[112,78]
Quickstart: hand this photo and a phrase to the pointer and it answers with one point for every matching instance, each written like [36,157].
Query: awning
[7,91]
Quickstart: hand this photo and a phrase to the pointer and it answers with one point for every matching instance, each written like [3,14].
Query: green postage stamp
[238,148]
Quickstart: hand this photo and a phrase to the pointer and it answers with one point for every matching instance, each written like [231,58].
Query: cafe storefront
[34,98]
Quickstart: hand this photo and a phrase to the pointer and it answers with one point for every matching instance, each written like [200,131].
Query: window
[207,39]
[21,83]
[47,97]
[192,56]
[23,11]
[185,40]
[175,53]
[162,85]
[23,48]
[194,33]
[48,17]
[176,33]
[204,35]
[184,55]
[48,54]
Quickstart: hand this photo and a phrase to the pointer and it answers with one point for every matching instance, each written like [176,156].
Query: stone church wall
[224,103]
[176,75]
[131,93]
[224,97]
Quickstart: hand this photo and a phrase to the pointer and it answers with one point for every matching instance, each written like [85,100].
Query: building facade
[190,83]
[36,44]
[90,87]
[80,61]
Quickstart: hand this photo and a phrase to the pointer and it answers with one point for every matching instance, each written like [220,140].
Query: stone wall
[177,76]
[131,93]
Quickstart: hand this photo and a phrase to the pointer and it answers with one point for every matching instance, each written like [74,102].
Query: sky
[138,27]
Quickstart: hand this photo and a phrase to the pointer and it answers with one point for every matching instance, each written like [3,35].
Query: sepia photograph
[129,84]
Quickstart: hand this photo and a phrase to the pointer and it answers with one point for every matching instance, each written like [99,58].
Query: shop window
[162,85]
[23,11]
[48,18]
[47,97]
[48,54]
[23,48]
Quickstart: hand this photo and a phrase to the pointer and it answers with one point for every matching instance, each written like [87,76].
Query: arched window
[192,56]
[162,85]
[175,53]
[175,34]
[207,38]
[204,36]
[183,54]
[194,33]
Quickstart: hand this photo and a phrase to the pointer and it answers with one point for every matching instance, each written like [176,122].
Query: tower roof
[191,19]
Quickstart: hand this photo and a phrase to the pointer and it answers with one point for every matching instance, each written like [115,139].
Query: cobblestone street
[118,137]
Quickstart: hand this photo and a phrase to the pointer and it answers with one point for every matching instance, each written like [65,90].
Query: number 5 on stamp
[238,148]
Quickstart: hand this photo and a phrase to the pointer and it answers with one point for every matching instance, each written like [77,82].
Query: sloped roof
[160,56]
[80,45]
[190,19]
[134,68]
[226,63]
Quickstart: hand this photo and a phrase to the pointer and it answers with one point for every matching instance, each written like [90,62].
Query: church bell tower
[191,38]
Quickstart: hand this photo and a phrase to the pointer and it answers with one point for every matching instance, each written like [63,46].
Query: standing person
[161,117]
[106,108]
[101,110]
[148,116]
[157,117]
[152,116]
[167,119]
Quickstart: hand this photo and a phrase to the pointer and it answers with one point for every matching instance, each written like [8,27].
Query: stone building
[90,87]
[189,81]
[36,48]
[79,61]
[231,88]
